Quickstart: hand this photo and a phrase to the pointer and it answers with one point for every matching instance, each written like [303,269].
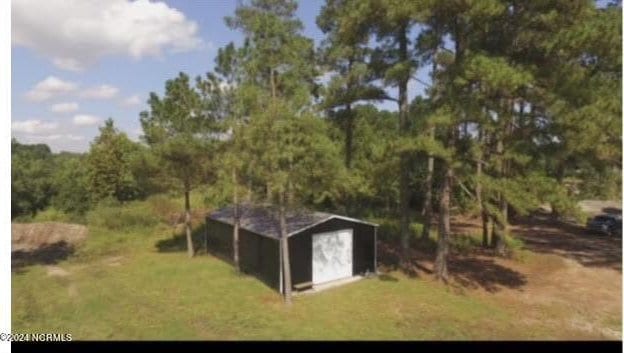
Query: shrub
[465,243]
[515,246]
[389,231]
[121,217]
[163,207]
[52,214]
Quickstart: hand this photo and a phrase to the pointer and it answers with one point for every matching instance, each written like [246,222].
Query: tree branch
[428,85]
[466,190]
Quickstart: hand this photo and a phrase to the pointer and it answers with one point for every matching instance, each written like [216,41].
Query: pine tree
[345,56]
[276,85]
[397,60]
[181,129]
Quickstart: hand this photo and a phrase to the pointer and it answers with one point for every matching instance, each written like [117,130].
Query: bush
[72,186]
[163,207]
[465,243]
[52,214]
[389,231]
[515,246]
[122,216]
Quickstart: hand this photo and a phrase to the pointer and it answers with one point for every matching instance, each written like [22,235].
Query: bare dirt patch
[32,236]
[44,243]
[593,207]
[113,261]
[56,271]
[544,235]
[72,290]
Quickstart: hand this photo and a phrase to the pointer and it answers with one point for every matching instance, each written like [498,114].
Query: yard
[139,284]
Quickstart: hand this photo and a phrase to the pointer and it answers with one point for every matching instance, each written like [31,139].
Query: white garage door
[332,256]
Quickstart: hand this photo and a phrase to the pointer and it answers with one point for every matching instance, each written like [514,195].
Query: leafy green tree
[31,178]
[275,84]
[71,185]
[230,157]
[345,54]
[108,163]
[368,185]
[509,88]
[394,61]
[428,43]
[581,89]
[276,58]
[180,128]
[294,153]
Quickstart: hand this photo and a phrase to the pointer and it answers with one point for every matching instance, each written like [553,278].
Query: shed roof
[263,219]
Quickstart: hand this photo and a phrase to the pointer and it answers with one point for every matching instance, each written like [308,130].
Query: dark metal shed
[323,247]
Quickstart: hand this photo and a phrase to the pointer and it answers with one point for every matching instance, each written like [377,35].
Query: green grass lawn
[168,296]
[121,285]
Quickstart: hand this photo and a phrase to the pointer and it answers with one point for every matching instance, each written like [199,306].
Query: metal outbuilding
[323,247]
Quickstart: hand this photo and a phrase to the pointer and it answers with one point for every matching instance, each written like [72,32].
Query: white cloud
[100,92]
[131,101]
[75,34]
[135,134]
[85,120]
[33,126]
[56,141]
[74,137]
[69,107]
[51,86]
[68,64]
[54,137]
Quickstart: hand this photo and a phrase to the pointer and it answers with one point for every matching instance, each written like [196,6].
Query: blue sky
[77,62]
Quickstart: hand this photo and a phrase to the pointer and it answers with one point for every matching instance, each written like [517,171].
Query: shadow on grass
[468,271]
[177,242]
[543,234]
[46,255]
[473,272]
[387,278]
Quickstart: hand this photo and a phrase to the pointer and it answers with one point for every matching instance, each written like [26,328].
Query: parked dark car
[608,224]
[617,228]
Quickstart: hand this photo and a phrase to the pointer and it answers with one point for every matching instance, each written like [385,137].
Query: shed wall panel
[258,255]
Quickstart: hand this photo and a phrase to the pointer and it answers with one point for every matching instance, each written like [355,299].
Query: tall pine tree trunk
[444,225]
[500,221]
[284,248]
[187,221]
[500,228]
[404,194]
[348,136]
[349,124]
[428,206]
[484,217]
[485,234]
[559,175]
[236,222]
[479,194]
